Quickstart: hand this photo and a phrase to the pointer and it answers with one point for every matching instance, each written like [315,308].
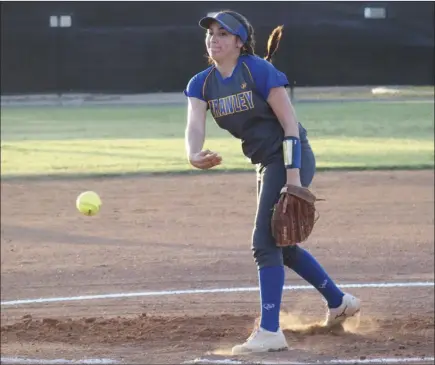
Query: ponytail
[273,42]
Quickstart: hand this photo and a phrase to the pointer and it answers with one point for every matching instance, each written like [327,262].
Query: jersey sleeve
[195,85]
[266,76]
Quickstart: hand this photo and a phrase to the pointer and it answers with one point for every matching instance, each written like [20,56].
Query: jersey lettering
[232,104]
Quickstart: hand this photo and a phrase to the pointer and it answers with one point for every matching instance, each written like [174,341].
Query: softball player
[246,96]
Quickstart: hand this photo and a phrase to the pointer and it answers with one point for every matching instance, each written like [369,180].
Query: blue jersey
[239,105]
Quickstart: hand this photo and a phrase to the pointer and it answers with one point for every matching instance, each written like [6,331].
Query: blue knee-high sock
[306,266]
[271,286]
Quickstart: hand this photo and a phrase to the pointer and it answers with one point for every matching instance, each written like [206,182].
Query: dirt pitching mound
[395,334]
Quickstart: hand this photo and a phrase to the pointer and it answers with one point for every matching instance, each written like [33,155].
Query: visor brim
[208,20]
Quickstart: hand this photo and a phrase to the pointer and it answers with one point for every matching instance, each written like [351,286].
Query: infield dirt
[193,232]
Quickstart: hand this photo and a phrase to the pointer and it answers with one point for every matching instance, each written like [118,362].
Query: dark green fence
[138,47]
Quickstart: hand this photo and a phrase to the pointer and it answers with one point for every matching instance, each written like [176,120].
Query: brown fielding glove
[293,216]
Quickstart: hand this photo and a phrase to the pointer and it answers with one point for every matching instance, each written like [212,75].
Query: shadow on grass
[127,175]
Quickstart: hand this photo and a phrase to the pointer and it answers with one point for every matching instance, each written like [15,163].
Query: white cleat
[262,340]
[349,307]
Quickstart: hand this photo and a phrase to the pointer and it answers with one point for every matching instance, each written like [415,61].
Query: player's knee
[264,249]
[267,256]
[290,255]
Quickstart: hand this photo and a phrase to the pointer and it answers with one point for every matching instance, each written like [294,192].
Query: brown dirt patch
[189,232]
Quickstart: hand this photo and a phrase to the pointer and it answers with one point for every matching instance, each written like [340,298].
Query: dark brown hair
[249,45]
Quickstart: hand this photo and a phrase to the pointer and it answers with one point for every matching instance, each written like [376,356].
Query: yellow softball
[88,203]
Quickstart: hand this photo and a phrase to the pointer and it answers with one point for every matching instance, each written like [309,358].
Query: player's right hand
[205,159]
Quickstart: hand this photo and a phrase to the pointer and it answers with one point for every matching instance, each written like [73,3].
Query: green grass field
[118,140]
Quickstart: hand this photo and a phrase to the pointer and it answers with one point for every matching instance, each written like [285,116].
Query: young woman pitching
[246,96]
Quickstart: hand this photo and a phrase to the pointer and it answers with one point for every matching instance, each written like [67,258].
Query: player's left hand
[294,215]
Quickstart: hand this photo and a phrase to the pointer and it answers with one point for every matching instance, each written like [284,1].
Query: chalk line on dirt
[17,360]
[387,360]
[207,291]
